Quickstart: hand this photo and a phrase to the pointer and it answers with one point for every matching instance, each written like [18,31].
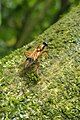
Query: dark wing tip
[45,43]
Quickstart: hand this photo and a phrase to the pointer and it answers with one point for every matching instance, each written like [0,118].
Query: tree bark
[53,94]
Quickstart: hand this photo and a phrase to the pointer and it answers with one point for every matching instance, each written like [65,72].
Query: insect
[32,57]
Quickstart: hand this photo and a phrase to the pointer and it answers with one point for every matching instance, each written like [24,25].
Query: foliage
[22,20]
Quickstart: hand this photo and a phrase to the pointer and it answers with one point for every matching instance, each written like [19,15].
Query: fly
[32,57]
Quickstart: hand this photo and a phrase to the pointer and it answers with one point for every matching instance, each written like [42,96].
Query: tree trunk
[53,94]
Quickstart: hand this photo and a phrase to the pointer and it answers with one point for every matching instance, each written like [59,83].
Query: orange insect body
[33,56]
[36,53]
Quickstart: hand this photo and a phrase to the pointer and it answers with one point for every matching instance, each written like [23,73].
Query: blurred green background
[22,20]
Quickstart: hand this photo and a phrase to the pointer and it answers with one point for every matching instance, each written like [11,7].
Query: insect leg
[37,66]
[27,53]
[45,53]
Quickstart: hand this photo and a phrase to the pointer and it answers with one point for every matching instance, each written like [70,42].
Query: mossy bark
[53,94]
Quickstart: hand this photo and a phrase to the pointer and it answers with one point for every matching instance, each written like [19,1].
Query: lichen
[53,94]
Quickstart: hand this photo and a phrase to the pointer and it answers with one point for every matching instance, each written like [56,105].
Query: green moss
[53,94]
